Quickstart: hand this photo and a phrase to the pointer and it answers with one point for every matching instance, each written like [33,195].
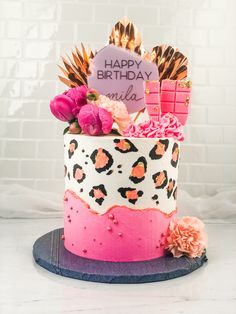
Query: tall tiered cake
[121,164]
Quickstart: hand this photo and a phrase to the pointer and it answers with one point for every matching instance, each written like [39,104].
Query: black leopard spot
[132,195]
[175,193]
[175,155]
[170,187]
[99,193]
[155,198]
[160,179]
[158,151]
[65,170]
[78,173]
[102,159]
[139,169]
[125,146]
[72,147]
[109,172]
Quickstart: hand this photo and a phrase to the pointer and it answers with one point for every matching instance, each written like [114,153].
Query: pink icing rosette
[167,126]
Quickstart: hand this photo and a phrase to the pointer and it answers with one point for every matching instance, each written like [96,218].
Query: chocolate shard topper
[171,64]
[126,35]
[76,69]
[119,74]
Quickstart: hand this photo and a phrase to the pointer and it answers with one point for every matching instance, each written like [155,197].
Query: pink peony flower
[94,120]
[79,96]
[186,237]
[62,107]
[117,109]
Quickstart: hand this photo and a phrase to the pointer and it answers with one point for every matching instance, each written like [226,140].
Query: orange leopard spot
[138,171]
[98,193]
[79,174]
[132,195]
[101,159]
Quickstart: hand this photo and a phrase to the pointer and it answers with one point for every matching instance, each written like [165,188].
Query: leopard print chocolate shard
[99,193]
[170,187]
[132,195]
[101,159]
[124,146]
[138,171]
[72,147]
[78,173]
[160,179]
[175,155]
[158,151]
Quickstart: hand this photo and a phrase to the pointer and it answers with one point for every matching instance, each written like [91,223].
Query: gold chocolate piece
[185,84]
[187,101]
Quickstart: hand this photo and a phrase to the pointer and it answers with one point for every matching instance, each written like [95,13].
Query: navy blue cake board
[49,253]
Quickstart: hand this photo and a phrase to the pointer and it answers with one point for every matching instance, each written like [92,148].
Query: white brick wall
[33,35]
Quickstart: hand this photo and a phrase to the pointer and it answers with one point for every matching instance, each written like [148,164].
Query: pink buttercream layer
[121,234]
[166,126]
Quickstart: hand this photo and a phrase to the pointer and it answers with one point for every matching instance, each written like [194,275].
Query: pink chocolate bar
[152,99]
[175,98]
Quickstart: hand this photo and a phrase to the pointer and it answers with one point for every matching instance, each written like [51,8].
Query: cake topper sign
[119,74]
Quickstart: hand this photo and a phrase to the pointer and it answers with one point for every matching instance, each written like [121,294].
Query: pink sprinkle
[69,220]
[115,221]
[110,216]
[84,250]
[94,240]
[120,234]
[157,246]
[66,199]
[109,228]
[62,237]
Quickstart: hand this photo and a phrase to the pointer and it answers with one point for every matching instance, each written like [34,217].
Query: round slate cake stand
[49,252]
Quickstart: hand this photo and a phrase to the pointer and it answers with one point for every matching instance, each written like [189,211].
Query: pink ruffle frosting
[167,126]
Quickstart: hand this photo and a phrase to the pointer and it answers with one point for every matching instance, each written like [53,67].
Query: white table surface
[27,288]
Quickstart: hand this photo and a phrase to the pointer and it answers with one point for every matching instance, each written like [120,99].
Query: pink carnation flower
[186,237]
[94,120]
[117,109]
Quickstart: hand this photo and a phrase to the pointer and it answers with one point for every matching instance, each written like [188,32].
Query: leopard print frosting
[135,172]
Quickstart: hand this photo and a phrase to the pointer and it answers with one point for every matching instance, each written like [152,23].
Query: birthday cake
[126,110]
